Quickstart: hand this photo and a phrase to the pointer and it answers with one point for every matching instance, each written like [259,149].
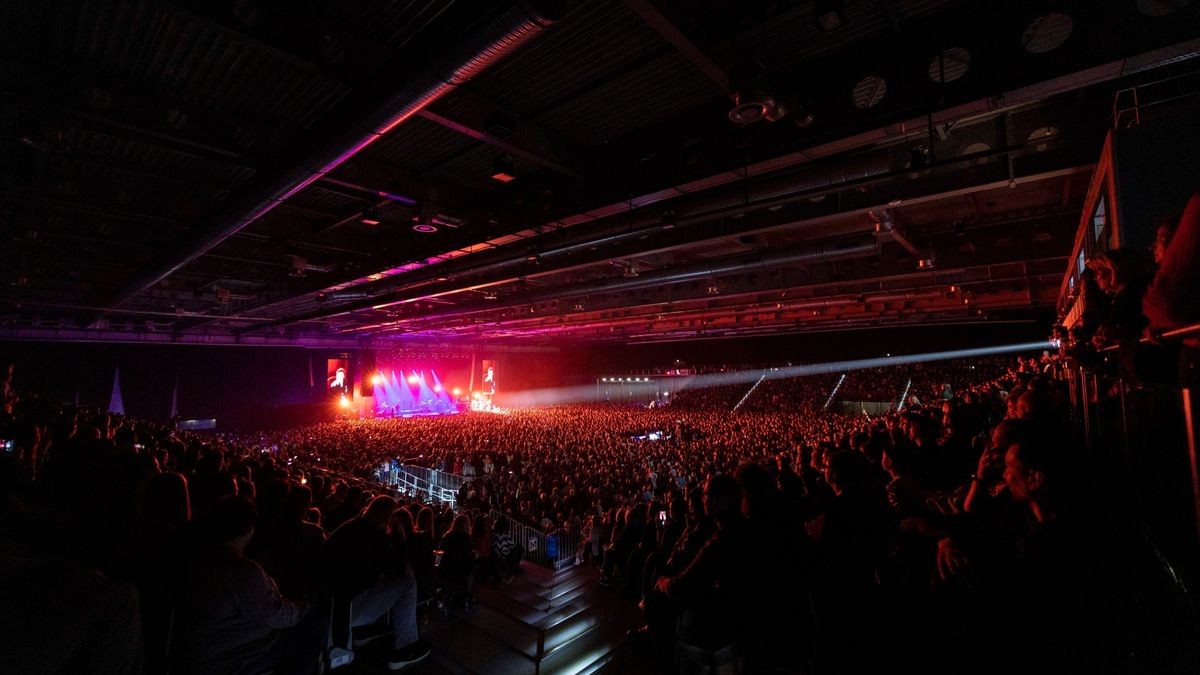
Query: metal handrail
[1182,332]
[415,480]
[536,543]
[1092,427]
[1185,331]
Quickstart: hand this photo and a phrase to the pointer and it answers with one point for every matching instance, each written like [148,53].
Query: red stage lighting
[457,391]
[344,402]
[377,379]
[412,379]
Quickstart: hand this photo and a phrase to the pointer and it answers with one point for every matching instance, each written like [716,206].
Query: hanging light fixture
[503,169]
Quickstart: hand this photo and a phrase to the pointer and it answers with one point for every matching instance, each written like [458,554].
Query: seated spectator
[291,552]
[365,562]
[60,618]
[232,618]
[156,555]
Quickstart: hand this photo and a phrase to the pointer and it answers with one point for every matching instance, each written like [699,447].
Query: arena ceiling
[319,172]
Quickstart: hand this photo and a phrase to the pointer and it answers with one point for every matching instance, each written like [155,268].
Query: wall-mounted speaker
[366,373]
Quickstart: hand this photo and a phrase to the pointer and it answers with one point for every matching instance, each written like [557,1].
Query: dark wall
[251,386]
[1157,169]
[221,382]
[815,347]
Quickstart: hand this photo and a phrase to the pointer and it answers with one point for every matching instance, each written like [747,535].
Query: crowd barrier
[553,550]
[1144,435]
[419,480]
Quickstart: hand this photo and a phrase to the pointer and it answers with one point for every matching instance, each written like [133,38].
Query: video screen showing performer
[337,380]
[489,378]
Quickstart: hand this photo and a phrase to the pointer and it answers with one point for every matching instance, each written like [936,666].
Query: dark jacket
[358,554]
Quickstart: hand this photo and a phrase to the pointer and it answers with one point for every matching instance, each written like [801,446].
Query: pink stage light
[412,379]
[437,387]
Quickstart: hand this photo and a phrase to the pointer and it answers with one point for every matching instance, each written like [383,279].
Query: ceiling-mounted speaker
[755,98]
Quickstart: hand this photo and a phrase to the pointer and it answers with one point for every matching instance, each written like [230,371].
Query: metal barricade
[554,550]
[419,480]
[1099,414]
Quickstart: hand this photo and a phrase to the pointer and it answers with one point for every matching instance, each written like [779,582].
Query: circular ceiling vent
[1161,7]
[976,148]
[1039,137]
[1047,33]
[950,65]
[869,92]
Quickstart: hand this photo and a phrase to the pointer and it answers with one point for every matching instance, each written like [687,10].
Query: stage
[404,414]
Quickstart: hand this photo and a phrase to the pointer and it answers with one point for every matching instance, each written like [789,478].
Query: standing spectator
[506,552]
[458,561]
[1170,301]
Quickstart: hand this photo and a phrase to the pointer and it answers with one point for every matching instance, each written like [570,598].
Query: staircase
[540,623]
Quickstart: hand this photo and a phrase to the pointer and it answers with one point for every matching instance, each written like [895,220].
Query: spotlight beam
[578,394]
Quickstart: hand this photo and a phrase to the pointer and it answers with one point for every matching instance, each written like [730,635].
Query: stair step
[561,615]
[519,636]
[514,607]
[576,596]
[524,597]
[466,648]
[571,627]
[551,594]
[583,652]
[545,577]
[558,627]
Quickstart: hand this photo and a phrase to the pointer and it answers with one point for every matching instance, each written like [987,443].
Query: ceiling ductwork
[789,186]
[843,250]
[469,54]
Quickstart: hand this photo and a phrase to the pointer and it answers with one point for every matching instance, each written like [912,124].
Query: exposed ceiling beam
[499,143]
[669,32]
[492,40]
[35,334]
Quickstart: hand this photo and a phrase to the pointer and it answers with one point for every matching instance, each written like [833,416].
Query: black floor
[539,623]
